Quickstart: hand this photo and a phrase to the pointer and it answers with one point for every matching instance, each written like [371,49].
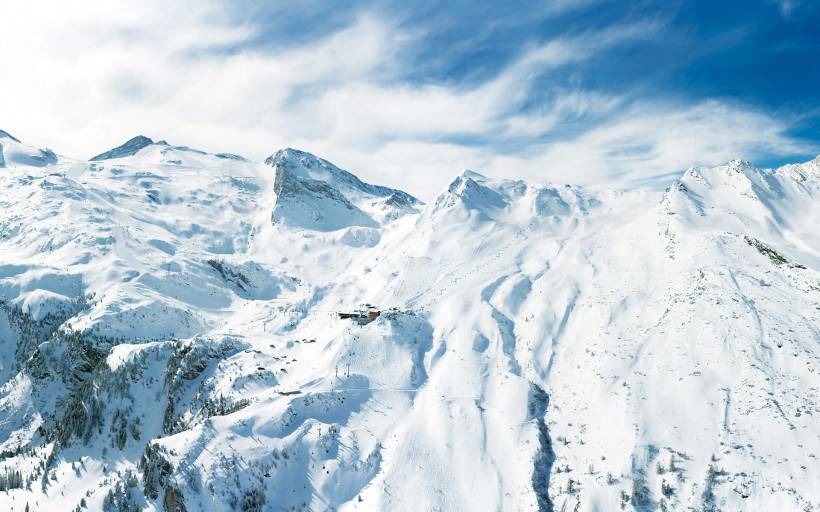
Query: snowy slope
[14,153]
[168,338]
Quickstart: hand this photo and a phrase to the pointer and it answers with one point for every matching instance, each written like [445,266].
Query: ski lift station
[365,314]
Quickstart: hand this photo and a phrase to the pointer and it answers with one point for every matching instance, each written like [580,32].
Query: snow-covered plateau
[170,338]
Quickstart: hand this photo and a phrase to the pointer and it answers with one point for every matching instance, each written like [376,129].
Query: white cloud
[652,140]
[82,78]
[787,7]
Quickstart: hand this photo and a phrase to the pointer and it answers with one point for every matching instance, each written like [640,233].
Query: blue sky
[409,93]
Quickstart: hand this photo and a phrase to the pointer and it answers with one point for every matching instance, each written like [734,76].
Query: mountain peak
[127,149]
[4,134]
[738,164]
[473,189]
[309,166]
[316,194]
[289,153]
[473,175]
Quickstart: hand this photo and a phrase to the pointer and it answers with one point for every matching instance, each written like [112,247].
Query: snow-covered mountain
[314,194]
[169,338]
[15,153]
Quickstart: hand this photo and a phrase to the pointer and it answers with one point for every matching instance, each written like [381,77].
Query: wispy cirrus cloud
[650,140]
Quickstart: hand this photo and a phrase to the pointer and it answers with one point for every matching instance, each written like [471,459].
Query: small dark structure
[362,316]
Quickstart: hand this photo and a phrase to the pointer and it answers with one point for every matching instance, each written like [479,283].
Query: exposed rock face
[7,135]
[127,149]
[314,194]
